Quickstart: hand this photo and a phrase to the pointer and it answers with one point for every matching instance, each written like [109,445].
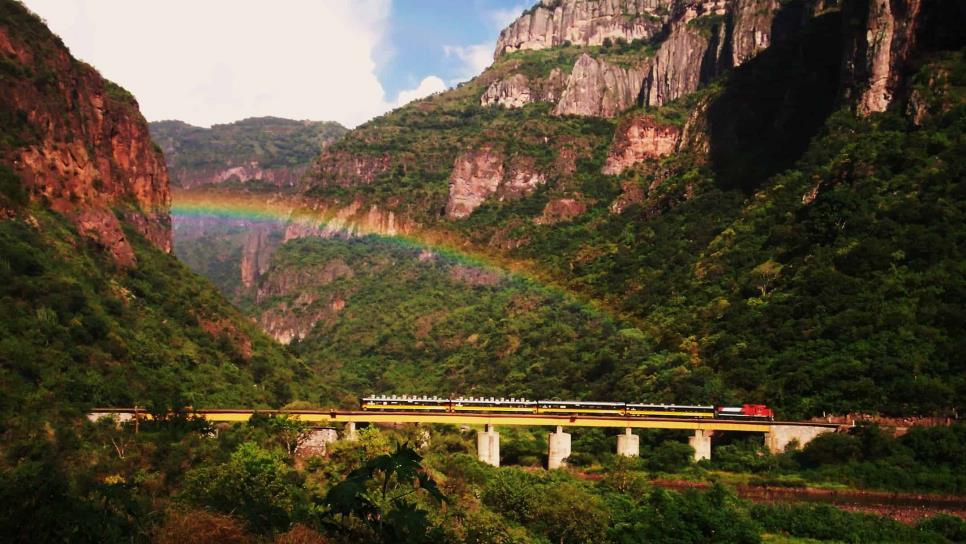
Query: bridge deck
[338,416]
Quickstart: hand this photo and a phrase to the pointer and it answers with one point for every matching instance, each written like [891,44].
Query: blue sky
[446,38]
[218,61]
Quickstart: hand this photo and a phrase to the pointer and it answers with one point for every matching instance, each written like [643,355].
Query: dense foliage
[177,479]
[77,332]
[420,322]
[272,142]
[823,281]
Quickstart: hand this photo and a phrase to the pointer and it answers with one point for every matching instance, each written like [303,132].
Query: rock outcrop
[290,300]
[878,56]
[516,90]
[481,174]
[522,181]
[476,175]
[559,210]
[344,221]
[751,28]
[690,56]
[344,169]
[599,89]
[281,177]
[582,22]
[257,253]
[511,92]
[79,143]
[639,138]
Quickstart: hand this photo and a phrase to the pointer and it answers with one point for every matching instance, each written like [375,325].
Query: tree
[289,431]
[376,497]
[255,484]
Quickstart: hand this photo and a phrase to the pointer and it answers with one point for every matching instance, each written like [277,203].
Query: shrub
[254,484]
[831,449]
[669,456]
[951,528]
[201,527]
[513,493]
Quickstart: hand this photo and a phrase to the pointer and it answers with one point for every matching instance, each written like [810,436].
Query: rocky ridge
[79,144]
[597,88]
[580,22]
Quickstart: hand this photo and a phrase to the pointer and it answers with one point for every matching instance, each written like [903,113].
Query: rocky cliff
[516,90]
[639,138]
[78,141]
[878,59]
[597,88]
[582,22]
[476,175]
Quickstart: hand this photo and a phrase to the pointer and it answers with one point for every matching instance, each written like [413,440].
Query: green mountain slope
[93,308]
[268,149]
[795,251]
[76,332]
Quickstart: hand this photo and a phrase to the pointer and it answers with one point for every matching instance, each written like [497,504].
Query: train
[492,405]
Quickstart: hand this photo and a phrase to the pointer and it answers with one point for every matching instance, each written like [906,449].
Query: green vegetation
[418,323]
[271,141]
[175,479]
[75,332]
[819,282]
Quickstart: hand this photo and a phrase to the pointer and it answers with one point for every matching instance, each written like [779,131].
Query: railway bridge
[778,434]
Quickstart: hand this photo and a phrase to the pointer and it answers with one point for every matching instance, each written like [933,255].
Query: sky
[217,61]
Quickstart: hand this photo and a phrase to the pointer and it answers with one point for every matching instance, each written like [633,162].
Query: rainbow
[353,219]
[348,220]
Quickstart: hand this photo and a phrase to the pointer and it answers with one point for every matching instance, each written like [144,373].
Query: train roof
[581,403]
[461,400]
[635,405]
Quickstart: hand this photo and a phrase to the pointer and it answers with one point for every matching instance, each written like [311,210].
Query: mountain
[258,156]
[766,194]
[269,150]
[94,310]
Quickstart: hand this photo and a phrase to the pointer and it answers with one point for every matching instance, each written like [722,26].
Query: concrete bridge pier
[628,444]
[317,442]
[559,449]
[779,437]
[488,445]
[349,431]
[701,442]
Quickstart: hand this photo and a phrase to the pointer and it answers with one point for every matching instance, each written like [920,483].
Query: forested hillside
[781,228]
[269,151]
[95,311]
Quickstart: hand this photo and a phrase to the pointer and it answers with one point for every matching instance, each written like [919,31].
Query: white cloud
[217,61]
[475,58]
[426,87]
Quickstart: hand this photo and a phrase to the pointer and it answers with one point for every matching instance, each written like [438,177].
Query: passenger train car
[408,403]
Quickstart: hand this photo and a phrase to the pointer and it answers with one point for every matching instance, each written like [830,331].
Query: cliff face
[639,138]
[270,150]
[516,91]
[598,89]
[878,56]
[79,143]
[346,169]
[476,175]
[690,56]
[581,22]
[480,174]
